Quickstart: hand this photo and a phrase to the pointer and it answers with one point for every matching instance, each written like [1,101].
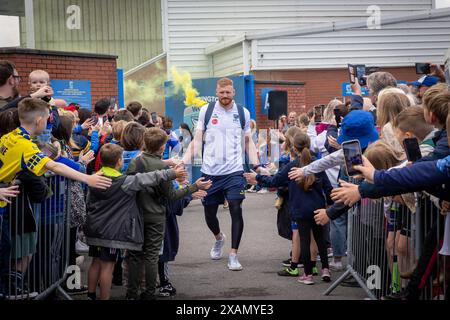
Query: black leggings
[237,222]
[304,228]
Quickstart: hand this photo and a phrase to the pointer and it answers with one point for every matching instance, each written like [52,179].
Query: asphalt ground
[197,277]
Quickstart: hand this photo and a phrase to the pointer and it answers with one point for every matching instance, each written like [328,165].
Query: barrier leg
[63,293]
[338,281]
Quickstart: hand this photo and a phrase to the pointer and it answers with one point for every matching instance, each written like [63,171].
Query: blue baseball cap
[358,125]
[427,81]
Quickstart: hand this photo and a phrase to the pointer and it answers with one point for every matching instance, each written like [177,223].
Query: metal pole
[29,18]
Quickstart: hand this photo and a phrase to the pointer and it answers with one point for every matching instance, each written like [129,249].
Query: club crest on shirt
[235,117]
[215,121]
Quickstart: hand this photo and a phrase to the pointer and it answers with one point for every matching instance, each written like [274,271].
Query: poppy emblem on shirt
[215,121]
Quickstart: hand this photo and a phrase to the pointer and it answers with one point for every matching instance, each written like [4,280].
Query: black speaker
[278,104]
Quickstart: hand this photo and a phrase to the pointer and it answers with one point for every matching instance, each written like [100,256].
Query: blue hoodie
[127,157]
[419,176]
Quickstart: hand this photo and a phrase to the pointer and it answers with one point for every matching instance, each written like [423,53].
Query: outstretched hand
[367,170]
[296,173]
[251,178]
[202,184]
[180,171]
[200,194]
[98,181]
[321,217]
[332,141]
[10,192]
[347,193]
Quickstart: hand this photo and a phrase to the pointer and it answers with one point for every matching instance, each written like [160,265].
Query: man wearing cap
[423,84]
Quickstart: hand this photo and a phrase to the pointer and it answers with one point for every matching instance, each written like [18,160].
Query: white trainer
[233,263]
[336,266]
[216,250]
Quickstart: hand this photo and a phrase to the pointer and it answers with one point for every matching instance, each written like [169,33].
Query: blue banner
[264,105]
[78,91]
[347,90]
[120,89]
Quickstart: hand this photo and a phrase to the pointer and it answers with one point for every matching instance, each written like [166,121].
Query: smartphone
[102,120]
[154,117]
[357,71]
[361,74]
[412,149]
[318,114]
[112,103]
[351,73]
[353,156]
[423,68]
[94,119]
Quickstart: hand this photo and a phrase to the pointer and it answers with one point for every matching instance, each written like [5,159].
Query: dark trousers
[304,228]
[430,246]
[149,256]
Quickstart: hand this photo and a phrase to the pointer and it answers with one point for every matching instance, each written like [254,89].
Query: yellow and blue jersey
[19,153]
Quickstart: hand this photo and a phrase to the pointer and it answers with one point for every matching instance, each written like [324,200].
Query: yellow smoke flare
[182,82]
[150,91]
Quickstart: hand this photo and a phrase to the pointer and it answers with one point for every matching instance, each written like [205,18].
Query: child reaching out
[113,218]
[305,197]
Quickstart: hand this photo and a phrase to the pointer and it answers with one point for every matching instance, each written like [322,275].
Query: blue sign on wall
[264,105]
[179,113]
[347,90]
[78,91]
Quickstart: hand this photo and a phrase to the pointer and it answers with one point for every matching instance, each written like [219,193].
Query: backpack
[210,111]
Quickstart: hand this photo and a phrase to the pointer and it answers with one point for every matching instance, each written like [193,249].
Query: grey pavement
[196,276]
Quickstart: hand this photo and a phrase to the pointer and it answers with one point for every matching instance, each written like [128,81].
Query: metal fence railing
[35,241]
[393,246]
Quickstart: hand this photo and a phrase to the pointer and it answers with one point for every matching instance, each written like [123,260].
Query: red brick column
[101,70]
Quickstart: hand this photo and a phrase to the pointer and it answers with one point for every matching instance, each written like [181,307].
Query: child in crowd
[77,210]
[117,130]
[172,238]
[391,102]
[41,79]
[20,153]
[153,202]
[305,197]
[113,225]
[132,141]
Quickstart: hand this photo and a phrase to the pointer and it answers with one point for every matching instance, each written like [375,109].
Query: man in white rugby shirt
[223,135]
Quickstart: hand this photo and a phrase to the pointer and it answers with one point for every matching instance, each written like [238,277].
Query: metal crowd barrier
[34,264]
[389,248]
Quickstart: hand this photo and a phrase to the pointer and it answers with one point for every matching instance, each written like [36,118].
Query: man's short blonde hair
[224,82]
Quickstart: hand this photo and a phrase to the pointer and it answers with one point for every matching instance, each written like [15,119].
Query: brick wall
[323,85]
[101,70]
[296,99]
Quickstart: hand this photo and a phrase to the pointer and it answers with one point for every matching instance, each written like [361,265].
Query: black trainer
[19,293]
[287,263]
[403,295]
